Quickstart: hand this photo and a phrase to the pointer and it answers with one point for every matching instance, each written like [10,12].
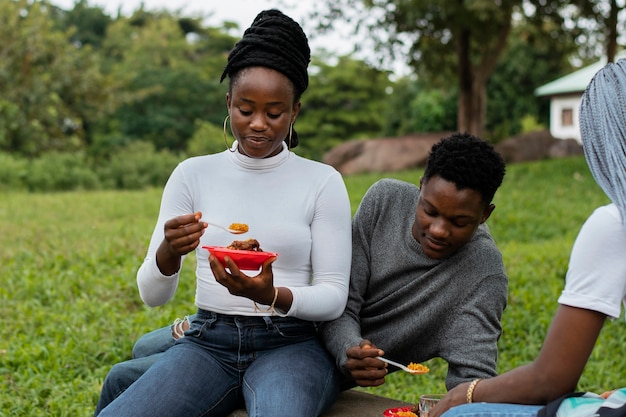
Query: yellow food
[406,414]
[417,367]
[242,227]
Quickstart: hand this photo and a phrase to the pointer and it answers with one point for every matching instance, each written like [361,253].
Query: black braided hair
[276,41]
[468,162]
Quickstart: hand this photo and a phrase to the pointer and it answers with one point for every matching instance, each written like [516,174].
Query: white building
[564,94]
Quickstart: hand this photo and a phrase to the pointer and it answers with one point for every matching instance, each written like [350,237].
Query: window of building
[567,117]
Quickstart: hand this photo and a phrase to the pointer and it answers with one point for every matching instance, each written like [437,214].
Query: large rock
[537,145]
[396,154]
[382,155]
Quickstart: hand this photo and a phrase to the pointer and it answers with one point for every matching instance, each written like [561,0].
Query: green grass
[70,307]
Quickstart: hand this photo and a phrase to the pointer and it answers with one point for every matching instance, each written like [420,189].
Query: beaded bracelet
[271,307]
[470,390]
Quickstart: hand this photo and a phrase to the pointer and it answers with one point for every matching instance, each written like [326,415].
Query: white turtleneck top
[294,206]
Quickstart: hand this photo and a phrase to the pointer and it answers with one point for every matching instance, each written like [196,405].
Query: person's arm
[470,332]
[556,371]
[325,298]
[157,277]
[344,333]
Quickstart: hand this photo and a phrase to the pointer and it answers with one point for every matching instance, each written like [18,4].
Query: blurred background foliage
[93,101]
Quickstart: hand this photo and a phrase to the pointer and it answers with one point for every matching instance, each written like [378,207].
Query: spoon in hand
[422,369]
[231,229]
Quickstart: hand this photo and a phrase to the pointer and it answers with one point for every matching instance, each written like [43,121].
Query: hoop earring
[230,148]
[290,134]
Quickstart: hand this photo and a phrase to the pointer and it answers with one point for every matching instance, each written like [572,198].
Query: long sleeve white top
[293,206]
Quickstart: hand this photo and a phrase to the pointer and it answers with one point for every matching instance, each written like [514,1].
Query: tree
[48,84]
[445,40]
[345,100]
[530,60]
[167,78]
[89,23]
[414,107]
[601,19]
[449,39]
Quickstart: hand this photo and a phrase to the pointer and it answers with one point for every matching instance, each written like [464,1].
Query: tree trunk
[611,32]
[465,113]
[472,110]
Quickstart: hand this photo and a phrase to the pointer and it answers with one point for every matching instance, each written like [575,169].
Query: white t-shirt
[293,206]
[596,278]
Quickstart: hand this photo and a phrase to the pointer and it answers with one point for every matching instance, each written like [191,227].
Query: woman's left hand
[258,288]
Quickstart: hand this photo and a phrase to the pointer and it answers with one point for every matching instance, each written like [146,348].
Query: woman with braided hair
[595,286]
[253,341]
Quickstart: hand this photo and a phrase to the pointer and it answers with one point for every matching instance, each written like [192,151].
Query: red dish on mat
[392,412]
[245,259]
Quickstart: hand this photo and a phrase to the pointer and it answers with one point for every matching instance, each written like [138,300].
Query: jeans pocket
[199,325]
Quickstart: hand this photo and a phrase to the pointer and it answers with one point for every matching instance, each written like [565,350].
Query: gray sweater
[413,307]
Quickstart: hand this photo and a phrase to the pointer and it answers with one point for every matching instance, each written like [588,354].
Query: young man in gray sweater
[427,279]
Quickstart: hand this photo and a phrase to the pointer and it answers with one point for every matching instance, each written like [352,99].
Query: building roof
[576,82]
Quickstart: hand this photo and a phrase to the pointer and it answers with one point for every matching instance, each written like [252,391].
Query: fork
[399,365]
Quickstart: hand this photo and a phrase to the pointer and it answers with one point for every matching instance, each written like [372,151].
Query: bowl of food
[246,254]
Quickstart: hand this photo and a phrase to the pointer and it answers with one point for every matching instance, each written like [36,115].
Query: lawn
[70,307]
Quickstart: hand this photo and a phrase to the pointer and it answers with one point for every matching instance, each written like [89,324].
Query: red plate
[392,412]
[245,259]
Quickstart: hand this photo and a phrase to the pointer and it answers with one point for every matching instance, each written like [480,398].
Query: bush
[56,171]
[13,171]
[207,138]
[137,166]
[134,166]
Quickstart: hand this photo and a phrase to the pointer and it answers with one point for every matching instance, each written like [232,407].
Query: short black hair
[468,162]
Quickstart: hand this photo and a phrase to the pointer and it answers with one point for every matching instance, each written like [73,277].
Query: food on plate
[406,411]
[250,244]
[242,227]
[417,367]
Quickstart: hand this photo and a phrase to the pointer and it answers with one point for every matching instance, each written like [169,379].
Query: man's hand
[364,366]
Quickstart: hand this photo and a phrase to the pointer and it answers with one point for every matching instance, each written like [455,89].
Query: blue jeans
[146,351]
[274,366]
[493,410]
[156,341]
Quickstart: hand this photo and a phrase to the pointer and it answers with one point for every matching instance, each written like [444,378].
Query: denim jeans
[493,410]
[146,351]
[274,366]
[156,341]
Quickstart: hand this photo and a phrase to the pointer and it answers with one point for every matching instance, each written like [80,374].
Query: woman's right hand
[181,235]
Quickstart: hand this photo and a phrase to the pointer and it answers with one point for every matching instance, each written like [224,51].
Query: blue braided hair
[603,130]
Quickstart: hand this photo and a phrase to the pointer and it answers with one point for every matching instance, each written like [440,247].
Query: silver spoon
[404,368]
[229,230]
